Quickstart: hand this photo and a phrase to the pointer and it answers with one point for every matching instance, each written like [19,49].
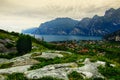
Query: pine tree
[24,44]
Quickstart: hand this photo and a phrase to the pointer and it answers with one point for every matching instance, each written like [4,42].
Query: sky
[17,15]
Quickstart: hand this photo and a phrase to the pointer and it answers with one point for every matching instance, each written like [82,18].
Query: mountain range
[95,26]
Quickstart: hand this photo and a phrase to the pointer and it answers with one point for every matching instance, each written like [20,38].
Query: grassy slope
[111,50]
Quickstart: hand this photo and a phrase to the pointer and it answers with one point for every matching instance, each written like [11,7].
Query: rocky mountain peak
[96,26]
[95,17]
[109,12]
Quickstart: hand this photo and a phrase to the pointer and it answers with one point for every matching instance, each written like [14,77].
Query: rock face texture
[61,71]
[7,46]
[18,69]
[56,70]
[50,55]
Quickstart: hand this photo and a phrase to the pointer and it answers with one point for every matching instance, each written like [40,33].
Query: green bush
[6,65]
[9,55]
[110,72]
[24,44]
[16,76]
[48,78]
[9,45]
[75,76]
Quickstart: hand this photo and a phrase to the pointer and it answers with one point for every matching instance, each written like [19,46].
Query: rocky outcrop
[61,71]
[7,46]
[48,55]
[56,70]
[18,69]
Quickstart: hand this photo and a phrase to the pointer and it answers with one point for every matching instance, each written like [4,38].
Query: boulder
[3,48]
[56,70]
[48,55]
[3,60]
[19,69]
[2,77]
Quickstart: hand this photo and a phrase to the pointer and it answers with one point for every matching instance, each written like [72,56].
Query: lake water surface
[50,38]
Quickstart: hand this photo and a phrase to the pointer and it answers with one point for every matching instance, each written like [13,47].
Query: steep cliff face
[108,23]
[96,26]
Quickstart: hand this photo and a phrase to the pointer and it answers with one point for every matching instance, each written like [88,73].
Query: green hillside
[68,60]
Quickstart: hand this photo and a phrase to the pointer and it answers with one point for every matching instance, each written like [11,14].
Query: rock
[100,63]
[89,70]
[62,52]
[87,74]
[35,47]
[12,50]
[3,48]
[2,77]
[87,61]
[19,69]
[112,65]
[57,66]
[80,60]
[25,62]
[8,40]
[21,58]
[2,41]
[56,70]
[3,60]
[50,55]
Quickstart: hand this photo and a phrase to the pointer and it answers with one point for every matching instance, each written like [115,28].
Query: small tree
[24,44]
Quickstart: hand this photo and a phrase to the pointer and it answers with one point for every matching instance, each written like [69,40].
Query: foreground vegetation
[95,50]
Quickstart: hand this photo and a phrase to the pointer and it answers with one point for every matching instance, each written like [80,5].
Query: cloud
[28,13]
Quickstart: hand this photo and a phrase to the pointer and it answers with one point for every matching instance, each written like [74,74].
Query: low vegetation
[6,65]
[20,76]
[44,62]
[106,51]
[111,73]
[75,76]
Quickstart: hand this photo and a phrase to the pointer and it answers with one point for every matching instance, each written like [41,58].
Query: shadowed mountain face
[59,26]
[108,23]
[96,26]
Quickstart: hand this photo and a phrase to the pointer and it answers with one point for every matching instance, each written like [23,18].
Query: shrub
[110,72]
[6,65]
[16,76]
[48,78]
[9,55]
[9,45]
[75,76]
[24,44]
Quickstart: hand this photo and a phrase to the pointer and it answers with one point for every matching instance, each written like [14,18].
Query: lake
[50,38]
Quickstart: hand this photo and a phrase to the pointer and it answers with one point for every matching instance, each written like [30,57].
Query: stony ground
[23,63]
